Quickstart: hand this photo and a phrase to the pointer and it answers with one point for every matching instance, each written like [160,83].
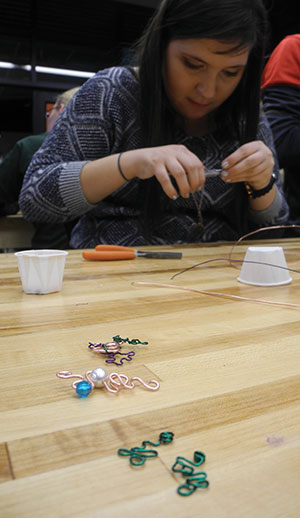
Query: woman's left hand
[251,163]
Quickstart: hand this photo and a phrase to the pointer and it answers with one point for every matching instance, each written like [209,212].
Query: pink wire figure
[98,378]
[109,347]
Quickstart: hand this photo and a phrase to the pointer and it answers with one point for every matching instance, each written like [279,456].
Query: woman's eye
[191,65]
[228,73]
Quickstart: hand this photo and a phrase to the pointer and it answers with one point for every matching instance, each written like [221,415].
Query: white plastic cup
[264,274]
[41,271]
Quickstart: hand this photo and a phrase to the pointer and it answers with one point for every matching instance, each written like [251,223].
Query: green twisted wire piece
[186,466]
[199,458]
[164,438]
[144,453]
[134,341]
[194,480]
[144,443]
[192,483]
[198,479]
[137,455]
[117,338]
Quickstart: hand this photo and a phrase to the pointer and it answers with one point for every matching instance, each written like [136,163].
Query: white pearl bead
[98,376]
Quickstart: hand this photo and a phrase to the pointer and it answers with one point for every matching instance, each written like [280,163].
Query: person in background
[12,171]
[281,101]
[130,152]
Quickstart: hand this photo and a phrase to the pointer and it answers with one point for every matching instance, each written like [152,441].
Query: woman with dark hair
[131,152]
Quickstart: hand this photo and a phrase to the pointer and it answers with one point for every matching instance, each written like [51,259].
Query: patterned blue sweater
[101,120]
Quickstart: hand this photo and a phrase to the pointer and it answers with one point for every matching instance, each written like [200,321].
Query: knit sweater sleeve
[282,108]
[90,127]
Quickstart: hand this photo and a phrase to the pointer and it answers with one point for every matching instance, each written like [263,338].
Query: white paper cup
[264,274]
[41,271]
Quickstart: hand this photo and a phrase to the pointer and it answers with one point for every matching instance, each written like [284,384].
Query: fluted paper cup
[41,271]
[254,272]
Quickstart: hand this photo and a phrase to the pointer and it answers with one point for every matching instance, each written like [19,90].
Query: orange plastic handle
[113,247]
[106,255]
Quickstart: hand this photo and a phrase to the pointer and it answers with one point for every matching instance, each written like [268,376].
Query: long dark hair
[242,22]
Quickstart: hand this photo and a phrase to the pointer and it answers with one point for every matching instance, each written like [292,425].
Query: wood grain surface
[229,386]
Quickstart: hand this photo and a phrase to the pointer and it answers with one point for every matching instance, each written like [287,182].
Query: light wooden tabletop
[229,387]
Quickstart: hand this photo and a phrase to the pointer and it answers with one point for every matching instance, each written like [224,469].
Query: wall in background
[84,36]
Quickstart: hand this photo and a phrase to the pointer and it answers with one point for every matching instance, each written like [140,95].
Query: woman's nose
[207,87]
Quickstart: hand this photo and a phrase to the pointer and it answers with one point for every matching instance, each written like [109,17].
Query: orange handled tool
[106,255]
[117,253]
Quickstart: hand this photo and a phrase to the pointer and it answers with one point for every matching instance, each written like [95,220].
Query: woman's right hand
[164,162]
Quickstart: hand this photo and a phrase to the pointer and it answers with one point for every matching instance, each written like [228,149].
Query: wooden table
[229,375]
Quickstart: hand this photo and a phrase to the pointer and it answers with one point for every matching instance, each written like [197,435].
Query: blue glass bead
[83,389]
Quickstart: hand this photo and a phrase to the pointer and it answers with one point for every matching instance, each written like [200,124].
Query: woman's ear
[60,109]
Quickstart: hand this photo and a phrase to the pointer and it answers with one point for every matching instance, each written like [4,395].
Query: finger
[257,166]
[245,152]
[259,175]
[240,154]
[247,166]
[177,171]
[164,179]
[195,172]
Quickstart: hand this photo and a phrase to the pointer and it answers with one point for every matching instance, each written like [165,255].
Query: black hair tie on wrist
[120,169]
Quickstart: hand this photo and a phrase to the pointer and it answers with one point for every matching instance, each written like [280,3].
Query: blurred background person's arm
[281,101]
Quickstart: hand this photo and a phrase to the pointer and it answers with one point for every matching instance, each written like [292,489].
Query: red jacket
[284,63]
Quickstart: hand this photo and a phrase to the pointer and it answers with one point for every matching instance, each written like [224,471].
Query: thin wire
[214,293]
[231,261]
[118,380]
[198,207]
[235,261]
[275,227]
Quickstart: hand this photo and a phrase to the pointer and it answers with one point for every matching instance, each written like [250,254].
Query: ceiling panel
[65,32]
